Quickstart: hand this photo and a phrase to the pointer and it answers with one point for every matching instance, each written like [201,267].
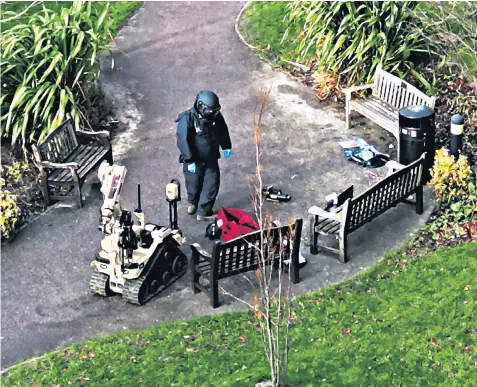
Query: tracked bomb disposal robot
[136,261]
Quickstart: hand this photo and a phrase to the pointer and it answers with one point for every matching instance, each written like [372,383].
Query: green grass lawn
[119,10]
[262,25]
[407,322]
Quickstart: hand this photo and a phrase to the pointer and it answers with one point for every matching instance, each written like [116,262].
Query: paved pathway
[172,51]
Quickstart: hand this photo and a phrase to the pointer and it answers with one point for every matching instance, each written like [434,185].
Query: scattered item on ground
[243,254]
[417,134]
[357,211]
[205,217]
[212,231]
[201,132]
[335,201]
[373,178]
[349,144]
[391,146]
[390,94]
[275,195]
[231,223]
[137,261]
[331,200]
[301,261]
[65,158]
[293,176]
[365,154]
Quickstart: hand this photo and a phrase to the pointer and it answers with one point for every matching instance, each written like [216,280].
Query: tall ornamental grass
[351,38]
[49,65]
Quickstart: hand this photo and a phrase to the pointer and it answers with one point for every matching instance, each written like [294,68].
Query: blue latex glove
[191,167]
[227,153]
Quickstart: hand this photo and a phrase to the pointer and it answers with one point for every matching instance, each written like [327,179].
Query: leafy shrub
[455,186]
[450,178]
[352,38]
[451,27]
[10,211]
[48,65]
[459,220]
[15,171]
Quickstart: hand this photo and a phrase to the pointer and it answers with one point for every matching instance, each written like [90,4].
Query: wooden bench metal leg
[419,200]
[214,291]
[46,191]
[313,235]
[295,258]
[343,242]
[77,188]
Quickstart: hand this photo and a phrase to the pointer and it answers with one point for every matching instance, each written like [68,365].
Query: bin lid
[416,111]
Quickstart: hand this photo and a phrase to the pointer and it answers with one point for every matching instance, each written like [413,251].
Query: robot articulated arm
[111,178]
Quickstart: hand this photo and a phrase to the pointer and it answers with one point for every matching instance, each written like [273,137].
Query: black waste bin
[417,128]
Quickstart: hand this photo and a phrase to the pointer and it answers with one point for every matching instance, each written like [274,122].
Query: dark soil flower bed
[27,188]
[456,94]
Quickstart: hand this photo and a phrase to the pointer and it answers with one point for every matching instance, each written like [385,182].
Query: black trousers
[202,186]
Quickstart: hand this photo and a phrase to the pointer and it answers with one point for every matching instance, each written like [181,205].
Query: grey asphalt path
[166,54]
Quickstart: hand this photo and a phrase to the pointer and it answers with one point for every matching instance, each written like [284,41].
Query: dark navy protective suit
[198,141]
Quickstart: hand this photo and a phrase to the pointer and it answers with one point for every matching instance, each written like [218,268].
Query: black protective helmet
[207,103]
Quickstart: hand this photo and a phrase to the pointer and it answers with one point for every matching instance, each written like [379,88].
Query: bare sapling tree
[272,305]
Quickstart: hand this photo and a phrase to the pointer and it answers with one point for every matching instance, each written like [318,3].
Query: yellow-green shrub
[450,178]
[10,211]
[16,170]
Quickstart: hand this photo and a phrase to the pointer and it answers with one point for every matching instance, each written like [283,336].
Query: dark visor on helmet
[208,112]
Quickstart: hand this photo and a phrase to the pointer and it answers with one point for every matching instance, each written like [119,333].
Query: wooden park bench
[65,158]
[389,95]
[242,254]
[355,212]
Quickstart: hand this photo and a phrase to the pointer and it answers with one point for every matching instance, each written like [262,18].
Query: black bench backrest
[243,254]
[383,195]
[59,144]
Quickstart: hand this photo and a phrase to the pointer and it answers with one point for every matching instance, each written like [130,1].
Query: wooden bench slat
[77,156]
[61,174]
[88,157]
[328,226]
[380,107]
[93,160]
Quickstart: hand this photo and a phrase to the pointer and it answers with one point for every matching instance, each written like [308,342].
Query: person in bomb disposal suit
[201,130]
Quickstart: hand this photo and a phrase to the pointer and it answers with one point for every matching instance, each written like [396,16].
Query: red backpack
[231,223]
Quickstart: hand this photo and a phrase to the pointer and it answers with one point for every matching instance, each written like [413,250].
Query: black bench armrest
[48,164]
[317,211]
[100,133]
[393,167]
[197,249]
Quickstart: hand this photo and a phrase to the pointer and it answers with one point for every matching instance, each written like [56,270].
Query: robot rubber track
[168,265]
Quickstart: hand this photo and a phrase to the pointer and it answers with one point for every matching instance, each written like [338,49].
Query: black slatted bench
[241,255]
[357,211]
